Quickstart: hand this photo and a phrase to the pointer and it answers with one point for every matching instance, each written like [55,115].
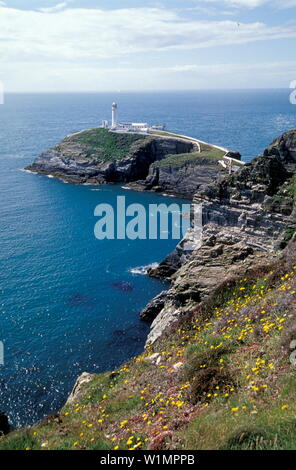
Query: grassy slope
[103,145]
[235,390]
[177,161]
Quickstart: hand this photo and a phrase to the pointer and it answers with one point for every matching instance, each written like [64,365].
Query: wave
[143,269]
[26,171]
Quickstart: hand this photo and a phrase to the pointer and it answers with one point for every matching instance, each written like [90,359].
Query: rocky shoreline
[170,165]
[248,218]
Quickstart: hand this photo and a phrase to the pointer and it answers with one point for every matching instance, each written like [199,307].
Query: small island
[143,157]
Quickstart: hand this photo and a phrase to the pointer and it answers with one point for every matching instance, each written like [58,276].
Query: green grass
[214,387]
[20,440]
[102,145]
[268,429]
[177,161]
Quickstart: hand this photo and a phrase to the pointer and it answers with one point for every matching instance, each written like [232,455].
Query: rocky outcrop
[4,424]
[79,387]
[184,179]
[284,147]
[241,230]
[98,156]
[154,307]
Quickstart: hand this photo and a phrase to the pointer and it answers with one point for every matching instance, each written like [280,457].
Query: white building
[142,127]
[114,115]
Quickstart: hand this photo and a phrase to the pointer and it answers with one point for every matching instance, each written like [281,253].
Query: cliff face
[284,147]
[186,173]
[247,218]
[184,179]
[218,371]
[98,156]
[167,164]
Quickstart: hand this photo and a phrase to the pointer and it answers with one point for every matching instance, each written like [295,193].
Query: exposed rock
[284,147]
[4,424]
[98,156]
[154,358]
[154,307]
[234,155]
[241,229]
[78,389]
[183,180]
[168,266]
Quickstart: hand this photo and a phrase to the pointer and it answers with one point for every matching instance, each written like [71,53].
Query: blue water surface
[69,302]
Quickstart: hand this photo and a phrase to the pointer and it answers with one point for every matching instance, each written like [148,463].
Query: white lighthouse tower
[114,115]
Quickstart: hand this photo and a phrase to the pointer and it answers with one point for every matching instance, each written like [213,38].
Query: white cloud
[69,48]
[90,34]
[72,77]
[251,4]
[55,8]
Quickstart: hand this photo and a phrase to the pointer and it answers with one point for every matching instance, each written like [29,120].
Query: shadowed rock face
[242,228]
[284,147]
[119,158]
[4,424]
[184,180]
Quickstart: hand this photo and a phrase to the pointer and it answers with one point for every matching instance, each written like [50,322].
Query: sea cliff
[218,371]
[163,163]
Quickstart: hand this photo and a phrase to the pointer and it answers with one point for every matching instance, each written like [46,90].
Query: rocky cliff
[284,148]
[247,218]
[218,371]
[98,156]
[167,164]
[185,174]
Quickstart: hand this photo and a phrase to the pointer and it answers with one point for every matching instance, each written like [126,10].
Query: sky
[128,45]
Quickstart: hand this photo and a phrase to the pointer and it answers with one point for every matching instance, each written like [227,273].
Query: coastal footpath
[218,370]
[162,162]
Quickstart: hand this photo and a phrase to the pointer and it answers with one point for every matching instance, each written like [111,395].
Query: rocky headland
[218,371]
[163,163]
[248,217]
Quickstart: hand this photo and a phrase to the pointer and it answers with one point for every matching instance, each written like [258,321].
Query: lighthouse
[114,115]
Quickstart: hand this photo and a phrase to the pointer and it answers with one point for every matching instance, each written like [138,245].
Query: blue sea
[69,302]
